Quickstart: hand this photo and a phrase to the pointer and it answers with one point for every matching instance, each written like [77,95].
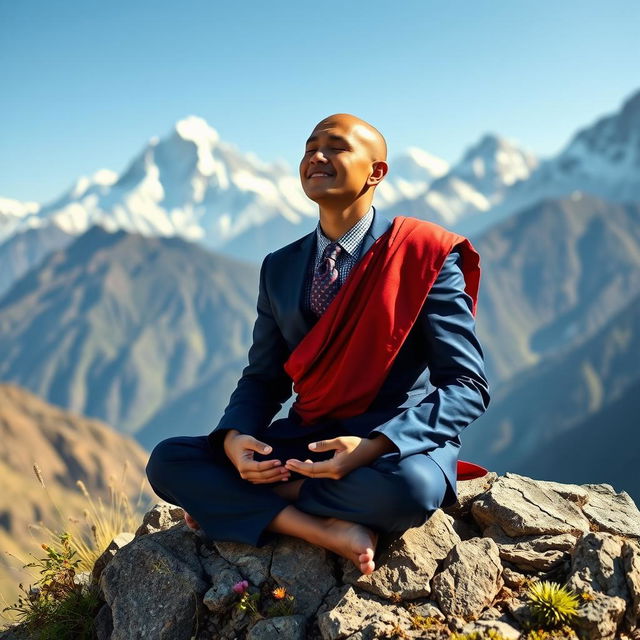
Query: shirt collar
[351,240]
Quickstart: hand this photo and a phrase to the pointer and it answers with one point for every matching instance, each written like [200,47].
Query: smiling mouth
[319,174]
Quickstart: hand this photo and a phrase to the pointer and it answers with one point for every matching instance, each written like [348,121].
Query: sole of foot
[352,541]
[190,522]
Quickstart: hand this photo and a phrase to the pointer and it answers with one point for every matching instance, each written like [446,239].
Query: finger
[324,469]
[271,475]
[256,445]
[325,445]
[248,465]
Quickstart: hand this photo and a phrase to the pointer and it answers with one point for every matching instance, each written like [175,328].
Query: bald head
[368,135]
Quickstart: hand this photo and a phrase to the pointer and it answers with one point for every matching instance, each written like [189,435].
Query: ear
[380,169]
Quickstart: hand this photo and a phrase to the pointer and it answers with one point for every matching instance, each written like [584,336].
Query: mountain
[67,447]
[24,250]
[190,184]
[119,326]
[552,275]
[602,159]
[193,185]
[473,186]
[574,413]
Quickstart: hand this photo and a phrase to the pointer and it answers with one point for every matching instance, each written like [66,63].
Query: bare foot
[352,541]
[191,523]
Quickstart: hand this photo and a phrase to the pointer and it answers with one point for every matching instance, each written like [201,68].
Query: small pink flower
[240,587]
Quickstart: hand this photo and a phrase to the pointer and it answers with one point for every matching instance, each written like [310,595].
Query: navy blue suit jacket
[436,387]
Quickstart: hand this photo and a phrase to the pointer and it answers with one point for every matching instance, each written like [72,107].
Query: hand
[351,452]
[240,448]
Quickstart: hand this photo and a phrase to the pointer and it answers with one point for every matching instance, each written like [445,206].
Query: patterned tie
[325,282]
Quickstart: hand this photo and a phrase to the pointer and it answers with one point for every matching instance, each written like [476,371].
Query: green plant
[489,634]
[56,607]
[551,605]
[555,634]
[424,623]
[284,603]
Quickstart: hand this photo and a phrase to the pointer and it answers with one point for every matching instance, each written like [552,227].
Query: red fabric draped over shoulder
[339,366]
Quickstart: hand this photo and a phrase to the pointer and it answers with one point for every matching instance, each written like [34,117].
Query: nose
[317,156]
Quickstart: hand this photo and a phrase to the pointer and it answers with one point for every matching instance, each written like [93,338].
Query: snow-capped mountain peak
[494,163]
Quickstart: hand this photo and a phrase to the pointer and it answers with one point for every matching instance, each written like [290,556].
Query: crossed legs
[343,515]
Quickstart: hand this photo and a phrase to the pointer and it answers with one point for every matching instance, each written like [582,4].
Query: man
[364,315]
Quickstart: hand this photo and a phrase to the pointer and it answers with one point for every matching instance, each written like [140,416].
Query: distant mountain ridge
[194,185]
[582,399]
[552,275]
[118,325]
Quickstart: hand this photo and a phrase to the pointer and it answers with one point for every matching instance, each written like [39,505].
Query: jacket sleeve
[264,385]
[456,369]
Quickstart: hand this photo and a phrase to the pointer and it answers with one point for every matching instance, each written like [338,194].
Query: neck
[335,222]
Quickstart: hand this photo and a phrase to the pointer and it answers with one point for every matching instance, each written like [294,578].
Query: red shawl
[384,292]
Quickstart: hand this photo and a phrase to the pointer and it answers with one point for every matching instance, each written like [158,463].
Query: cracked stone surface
[173,583]
[159,518]
[612,512]
[252,562]
[521,506]
[470,580]
[405,569]
[532,553]
[352,612]
[286,627]
[306,571]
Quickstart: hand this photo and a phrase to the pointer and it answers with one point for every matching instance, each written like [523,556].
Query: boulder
[409,562]
[470,580]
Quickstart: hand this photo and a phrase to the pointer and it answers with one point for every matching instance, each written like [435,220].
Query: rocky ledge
[466,570]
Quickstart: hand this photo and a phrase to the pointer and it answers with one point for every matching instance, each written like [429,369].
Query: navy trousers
[387,496]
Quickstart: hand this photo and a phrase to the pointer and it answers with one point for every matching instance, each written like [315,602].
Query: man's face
[337,163]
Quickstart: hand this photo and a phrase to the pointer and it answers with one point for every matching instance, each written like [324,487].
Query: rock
[484,626]
[597,567]
[223,576]
[468,491]
[612,512]
[471,578]
[427,610]
[115,545]
[466,574]
[354,612]
[513,579]
[631,568]
[286,627]
[103,624]
[252,562]
[160,517]
[162,597]
[532,553]
[306,571]
[599,619]
[521,506]
[406,567]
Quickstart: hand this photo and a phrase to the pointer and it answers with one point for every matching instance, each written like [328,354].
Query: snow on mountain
[192,184]
[12,215]
[602,159]
[189,184]
[472,186]
[410,175]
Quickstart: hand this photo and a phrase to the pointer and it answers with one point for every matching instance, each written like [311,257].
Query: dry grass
[90,535]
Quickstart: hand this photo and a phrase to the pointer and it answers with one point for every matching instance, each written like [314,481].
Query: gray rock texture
[466,571]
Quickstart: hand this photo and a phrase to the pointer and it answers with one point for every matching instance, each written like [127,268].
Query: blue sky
[86,84]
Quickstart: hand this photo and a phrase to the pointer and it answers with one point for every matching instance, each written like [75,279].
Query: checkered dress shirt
[351,243]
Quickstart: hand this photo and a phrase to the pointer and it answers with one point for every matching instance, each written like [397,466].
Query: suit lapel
[299,263]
